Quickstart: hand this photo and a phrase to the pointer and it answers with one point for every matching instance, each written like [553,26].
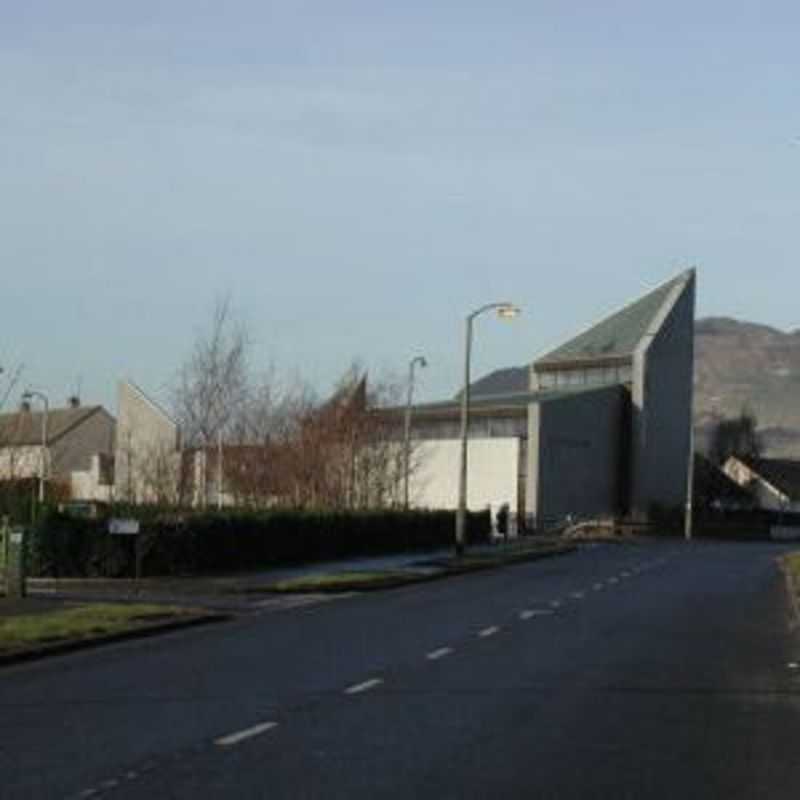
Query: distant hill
[738,364]
[742,364]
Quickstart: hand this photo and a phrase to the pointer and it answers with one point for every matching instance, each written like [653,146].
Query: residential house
[773,482]
[74,444]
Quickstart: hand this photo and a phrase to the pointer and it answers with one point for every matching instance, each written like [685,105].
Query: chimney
[74,401]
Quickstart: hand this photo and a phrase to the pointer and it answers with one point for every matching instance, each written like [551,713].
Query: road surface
[661,670]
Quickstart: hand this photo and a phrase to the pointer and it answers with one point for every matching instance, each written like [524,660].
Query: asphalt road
[651,671]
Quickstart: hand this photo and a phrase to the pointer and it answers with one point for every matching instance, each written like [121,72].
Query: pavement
[241,592]
[656,671]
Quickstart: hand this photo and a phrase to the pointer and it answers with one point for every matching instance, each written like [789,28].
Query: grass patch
[792,562]
[388,579]
[82,622]
[346,581]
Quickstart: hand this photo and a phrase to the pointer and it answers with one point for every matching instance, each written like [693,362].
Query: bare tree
[10,456]
[737,436]
[213,386]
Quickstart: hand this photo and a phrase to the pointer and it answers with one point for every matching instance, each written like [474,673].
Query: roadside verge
[423,571]
[31,636]
[790,564]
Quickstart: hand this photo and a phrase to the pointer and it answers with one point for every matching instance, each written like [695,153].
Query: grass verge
[81,623]
[791,566]
[390,579]
[347,581]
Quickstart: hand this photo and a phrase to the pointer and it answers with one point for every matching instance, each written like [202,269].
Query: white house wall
[145,434]
[20,462]
[493,475]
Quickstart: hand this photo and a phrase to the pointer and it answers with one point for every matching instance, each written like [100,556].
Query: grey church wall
[662,398]
[573,455]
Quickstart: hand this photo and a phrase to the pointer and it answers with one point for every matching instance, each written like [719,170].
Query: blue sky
[359,176]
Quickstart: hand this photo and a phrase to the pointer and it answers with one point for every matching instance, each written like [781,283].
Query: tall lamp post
[504,311]
[27,397]
[407,428]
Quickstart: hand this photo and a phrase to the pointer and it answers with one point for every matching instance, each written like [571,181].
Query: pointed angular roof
[616,337]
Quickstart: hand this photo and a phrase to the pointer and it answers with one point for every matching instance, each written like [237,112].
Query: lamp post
[27,397]
[407,428]
[504,311]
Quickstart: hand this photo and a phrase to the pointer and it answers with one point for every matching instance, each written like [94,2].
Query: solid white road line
[490,631]
[364,687]
[249,733]
[435,655]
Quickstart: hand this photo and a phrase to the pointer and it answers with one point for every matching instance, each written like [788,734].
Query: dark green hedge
[179,544]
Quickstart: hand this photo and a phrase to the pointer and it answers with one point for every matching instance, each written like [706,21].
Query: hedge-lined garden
[187,544]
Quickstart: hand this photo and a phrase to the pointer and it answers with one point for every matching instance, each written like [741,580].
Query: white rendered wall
[20,462]
[146,436]
[492,477]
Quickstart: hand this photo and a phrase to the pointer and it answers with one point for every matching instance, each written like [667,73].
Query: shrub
[175,544]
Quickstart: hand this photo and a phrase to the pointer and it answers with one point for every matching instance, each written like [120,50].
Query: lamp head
[508,311]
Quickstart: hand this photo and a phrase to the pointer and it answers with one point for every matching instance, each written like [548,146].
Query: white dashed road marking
[249,733]
[555,604]
[613,580]
[530,613]
[364,687]
[598,587]
[490,631]
[440,653]
[577,595]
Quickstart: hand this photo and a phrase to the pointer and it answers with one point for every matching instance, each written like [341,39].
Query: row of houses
[601,426]
[85,452]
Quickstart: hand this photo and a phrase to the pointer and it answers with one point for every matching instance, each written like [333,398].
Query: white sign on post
[123,527]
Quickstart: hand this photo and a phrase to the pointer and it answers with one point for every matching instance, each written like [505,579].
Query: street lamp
[504,311]
[407,430]
[27,397]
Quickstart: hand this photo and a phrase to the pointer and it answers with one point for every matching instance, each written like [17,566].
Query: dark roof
[511,401]
[711,483]
[24,428]
[782,473]
[502,381]
[617,336]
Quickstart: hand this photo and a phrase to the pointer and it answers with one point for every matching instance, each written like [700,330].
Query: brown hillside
[742,364]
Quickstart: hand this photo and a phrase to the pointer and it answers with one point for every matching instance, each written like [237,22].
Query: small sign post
[15,563]
[120,526]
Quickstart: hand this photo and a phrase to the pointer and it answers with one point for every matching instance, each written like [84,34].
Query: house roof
[617,336]
[510,402]
[24,428]
[782,473]
[511,380]
[711,481]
